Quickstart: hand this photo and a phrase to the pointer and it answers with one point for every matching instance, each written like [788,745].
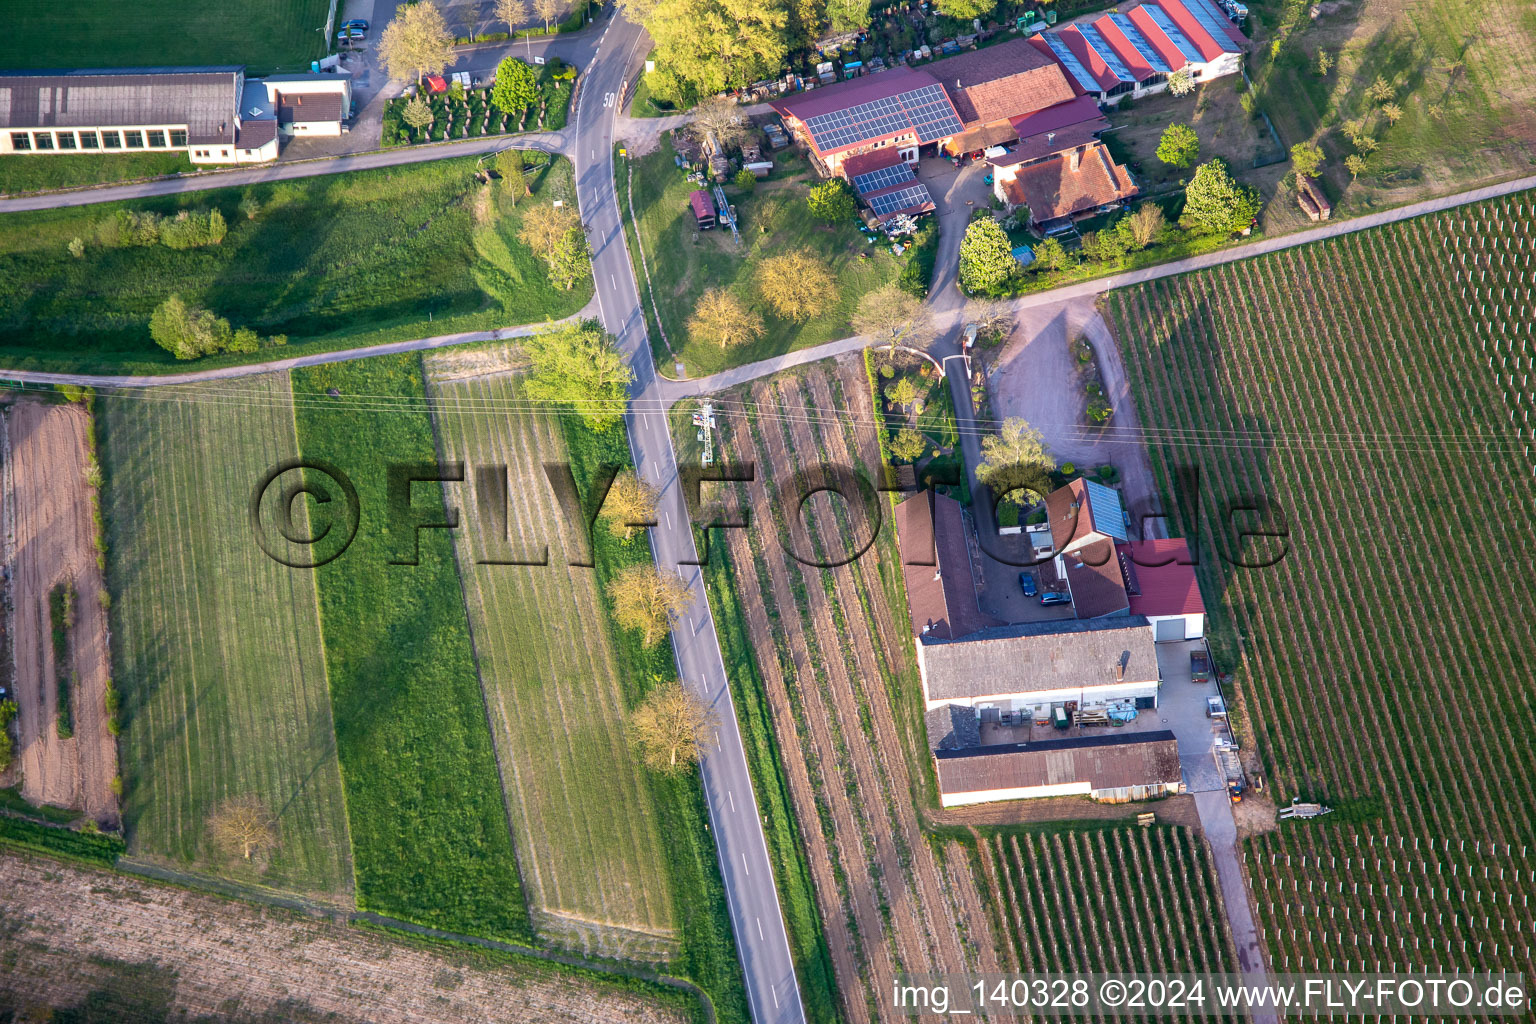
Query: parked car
[351,35]
[1027,581]
[1051,597]
[356,23]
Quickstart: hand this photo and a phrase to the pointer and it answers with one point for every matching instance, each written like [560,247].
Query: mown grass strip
[430,837]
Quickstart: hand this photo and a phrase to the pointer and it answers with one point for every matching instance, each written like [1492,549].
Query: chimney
[1050,137]
[1077,159]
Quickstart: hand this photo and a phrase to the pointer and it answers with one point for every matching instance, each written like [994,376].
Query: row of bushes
[61,614]
[189,229]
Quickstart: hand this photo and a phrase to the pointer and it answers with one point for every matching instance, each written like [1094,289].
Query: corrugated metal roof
[1041,656]
[1104,762]
[204,99]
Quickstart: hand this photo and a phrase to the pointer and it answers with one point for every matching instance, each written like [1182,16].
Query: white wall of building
[1024,700]
[1194,626]
[986,796]
[74,141]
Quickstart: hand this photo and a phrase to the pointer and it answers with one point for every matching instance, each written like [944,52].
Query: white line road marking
[733,800]
[744,865]
[668,517]
[759,928]
[614,282]
[773,990]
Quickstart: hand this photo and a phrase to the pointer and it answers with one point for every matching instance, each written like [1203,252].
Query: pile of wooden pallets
[1310,195]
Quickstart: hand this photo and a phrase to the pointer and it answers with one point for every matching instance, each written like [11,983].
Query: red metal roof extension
[1159,578]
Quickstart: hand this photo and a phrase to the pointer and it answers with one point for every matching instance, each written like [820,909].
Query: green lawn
[430,836]
[264,34]
[216,647]
[684,262]
[33,173]
[594,865]
[334,262]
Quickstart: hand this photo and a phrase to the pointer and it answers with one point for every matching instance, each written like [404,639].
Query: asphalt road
[761,940]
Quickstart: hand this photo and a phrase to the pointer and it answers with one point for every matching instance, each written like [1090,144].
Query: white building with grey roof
[213,114]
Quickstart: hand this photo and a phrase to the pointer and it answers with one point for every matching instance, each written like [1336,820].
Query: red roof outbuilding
[1159,578]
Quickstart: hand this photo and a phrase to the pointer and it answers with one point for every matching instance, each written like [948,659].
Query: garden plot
[216,647]
[1377,387]
[839,682]
[587,833]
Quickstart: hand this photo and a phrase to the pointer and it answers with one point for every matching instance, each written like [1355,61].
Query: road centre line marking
[759,928]
[744,866]
[733,800]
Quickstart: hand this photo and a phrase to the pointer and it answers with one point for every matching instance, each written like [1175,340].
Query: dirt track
[156,952]
[48,515]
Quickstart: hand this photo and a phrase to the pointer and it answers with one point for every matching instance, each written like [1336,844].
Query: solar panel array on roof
[925,110]
[1161,19]
[1213,21]
[884,177]
[912,195]
[1106,52]
[1146,49]
[1073,65]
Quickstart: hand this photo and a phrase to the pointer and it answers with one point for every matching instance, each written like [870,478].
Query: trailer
[1199,667]
[1230,766]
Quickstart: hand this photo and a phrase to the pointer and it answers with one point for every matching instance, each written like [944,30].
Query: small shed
[435,83]
[703,209]
[1023,255]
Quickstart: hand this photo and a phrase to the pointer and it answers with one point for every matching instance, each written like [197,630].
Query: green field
[1460,70]
[684,263]
[1374,387]
[216,648]
[334,261]
[265,34]
[1101,900]
[430,837]
[31,174]
[588,838]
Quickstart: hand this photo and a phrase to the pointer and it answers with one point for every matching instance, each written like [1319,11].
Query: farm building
[941,593]
[1161,587]
[1065,186]
[1111,769]
[991,88]
[1021,667]
[213,114]
[703,209]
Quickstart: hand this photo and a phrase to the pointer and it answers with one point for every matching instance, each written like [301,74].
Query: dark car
[1051,597]
[1027,581]
[356,23]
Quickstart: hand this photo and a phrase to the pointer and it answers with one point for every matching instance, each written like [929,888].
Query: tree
[1325,62]
[908,445]
[514,183]
[1216,204]
[1179,146]
[994,320]
[512,12]
[1307,158]
[671,727]
[8,711]
[718,118]
[746,180]
[187,331]
[572,259]
[1050,254]
[548,11]
[986,257]
[832,201]
[577,364]
[848,15]
[1392,112]
[796,285]
[1146,224]
[965,10]
[77,247]
[708,46]
[1015,460]
[631,502]
[1355,165]
[901,393]
[1181,82]
[543,228]
[1380,90]
[417,114]
[649,600]
[516,87]
[416,43]
[242,826]
[722,317]
[250,206]
[892,316]
[1366,143]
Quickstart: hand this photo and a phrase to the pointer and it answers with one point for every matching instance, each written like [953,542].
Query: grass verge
[32,173]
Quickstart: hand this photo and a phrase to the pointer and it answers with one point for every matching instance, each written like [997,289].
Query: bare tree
[242,825]
[718,118]
[670,728]
[992,317]
[890,315]
[548,11]
[721,316]
[1147,223]
[512,12]
[631,502]
[649,600]
[416,43]
[544,226]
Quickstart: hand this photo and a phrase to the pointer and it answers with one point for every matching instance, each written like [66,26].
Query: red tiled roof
[1008,80]
[1037,147]
[1093,576]
[1070,183]
[863,163]
[1159,577]
[1159,40]
[1088,56]
[255,134]
[1083,108]
[1041,46]
[308,106]
[941,593]
[1129,55]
